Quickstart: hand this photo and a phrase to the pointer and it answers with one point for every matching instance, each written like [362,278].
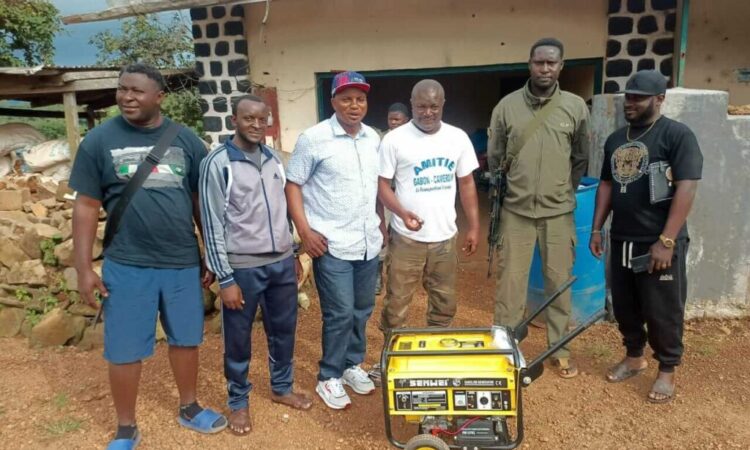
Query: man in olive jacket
[542,177]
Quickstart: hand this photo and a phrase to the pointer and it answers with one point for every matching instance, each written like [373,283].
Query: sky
[72,45]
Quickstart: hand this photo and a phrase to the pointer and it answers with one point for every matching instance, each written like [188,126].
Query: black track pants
[656,300]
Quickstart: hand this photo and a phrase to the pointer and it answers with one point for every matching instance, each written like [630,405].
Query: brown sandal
[293,400]
[622,372]
[663,388]
[565,368]
[240,422]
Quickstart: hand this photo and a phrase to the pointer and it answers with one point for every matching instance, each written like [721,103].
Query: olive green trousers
[518,237]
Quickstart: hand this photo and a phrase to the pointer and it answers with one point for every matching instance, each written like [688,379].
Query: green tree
[146,39]
[164,45]
[184,107]
[27,31]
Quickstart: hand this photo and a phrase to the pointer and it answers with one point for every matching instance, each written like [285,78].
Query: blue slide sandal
[204,422]
[125,444]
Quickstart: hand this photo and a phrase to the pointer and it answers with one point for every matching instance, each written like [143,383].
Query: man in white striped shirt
[332,198]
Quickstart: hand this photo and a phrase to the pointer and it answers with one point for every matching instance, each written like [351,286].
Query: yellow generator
[462,387]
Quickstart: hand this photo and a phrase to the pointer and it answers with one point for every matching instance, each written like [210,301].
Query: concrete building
[288,51]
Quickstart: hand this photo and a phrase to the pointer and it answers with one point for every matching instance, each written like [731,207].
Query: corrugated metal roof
[94,85]
[52,70]
[42,70]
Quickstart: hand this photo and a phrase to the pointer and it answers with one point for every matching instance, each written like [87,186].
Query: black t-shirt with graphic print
[634,218]
[157,228]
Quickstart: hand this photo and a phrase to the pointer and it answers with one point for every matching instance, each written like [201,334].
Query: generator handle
[384,390]
[535,369]
[521,330]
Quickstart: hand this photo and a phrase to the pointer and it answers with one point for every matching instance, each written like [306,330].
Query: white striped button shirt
[339,179]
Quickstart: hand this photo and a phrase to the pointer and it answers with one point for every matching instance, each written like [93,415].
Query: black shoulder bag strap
[135,183]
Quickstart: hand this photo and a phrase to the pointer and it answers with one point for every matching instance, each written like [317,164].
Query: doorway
[471,92]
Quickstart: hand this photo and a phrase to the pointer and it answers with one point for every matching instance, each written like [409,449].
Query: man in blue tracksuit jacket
[249,248]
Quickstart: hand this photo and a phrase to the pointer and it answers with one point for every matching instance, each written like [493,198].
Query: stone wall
[641,36]
[222,64]
[38,282]
[719,224]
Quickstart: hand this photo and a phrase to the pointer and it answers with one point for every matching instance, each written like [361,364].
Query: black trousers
[273,287]
[656,301]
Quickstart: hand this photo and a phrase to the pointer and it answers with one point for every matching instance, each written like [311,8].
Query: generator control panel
[449,374]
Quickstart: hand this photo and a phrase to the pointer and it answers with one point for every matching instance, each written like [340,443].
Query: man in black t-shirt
[152,266]
[648,221]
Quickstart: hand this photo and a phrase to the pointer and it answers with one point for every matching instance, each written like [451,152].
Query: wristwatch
[665,241]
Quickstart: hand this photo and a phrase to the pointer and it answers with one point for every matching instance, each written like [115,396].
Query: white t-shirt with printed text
[425,167]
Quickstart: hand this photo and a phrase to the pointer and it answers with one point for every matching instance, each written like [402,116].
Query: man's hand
[470,242]
[412,221]
[232,297]
[384,232]
[85,222]
[315,243]
[595,245]
[661,257]
[88,282]
[207,277]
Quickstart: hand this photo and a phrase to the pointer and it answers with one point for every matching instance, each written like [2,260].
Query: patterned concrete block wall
[641,36]
[221,62]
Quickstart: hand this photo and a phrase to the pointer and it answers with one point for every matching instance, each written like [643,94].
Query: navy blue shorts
[136,295]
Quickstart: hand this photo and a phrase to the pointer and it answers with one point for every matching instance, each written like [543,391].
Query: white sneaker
[358,380]
[333,394]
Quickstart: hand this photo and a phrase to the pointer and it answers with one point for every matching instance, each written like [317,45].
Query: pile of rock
[38,284]
[38,295]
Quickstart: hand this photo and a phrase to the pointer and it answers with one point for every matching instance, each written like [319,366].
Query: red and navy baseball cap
[349,79]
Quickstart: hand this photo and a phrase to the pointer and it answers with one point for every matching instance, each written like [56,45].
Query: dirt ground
[59,398]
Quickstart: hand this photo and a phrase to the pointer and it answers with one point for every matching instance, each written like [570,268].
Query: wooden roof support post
[90,118]
[141,7]
[71,122]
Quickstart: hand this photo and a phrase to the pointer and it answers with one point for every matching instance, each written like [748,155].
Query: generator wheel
[426,442]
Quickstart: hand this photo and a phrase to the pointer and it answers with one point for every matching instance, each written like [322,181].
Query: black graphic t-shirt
[157,228]
[626,163]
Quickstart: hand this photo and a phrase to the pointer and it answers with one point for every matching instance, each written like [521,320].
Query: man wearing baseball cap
[648,181]
[332,198]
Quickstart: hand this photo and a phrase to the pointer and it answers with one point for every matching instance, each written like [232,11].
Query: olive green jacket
[543,177]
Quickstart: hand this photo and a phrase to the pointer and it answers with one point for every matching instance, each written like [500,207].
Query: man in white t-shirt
[426,157]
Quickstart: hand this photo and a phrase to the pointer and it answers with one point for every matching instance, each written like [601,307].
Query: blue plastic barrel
[589,290]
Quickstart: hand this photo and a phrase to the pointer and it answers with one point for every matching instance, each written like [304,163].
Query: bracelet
[596,231]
